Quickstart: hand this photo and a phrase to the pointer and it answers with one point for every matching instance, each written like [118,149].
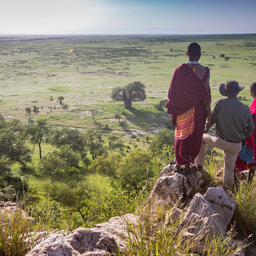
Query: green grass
[99,181]
[246,211]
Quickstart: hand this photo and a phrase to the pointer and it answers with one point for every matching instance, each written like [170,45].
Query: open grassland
[85,69]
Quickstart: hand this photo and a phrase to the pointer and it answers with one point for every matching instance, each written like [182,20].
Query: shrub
[161,105]
[163,138]
[106,165]
[83,199]
[136,172]
[48,213]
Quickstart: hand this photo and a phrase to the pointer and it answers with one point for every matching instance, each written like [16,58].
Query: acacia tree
[28,111]
[94,142]
[37,132]
[73,139]
[51,164]
[132,92]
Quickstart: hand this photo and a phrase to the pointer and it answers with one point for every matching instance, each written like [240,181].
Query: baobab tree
[132,92]
[61,98]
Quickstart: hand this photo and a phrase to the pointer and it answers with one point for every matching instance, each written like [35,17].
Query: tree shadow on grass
[148,120]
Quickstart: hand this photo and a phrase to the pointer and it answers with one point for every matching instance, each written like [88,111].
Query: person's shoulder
[181,67]
[244,106]
[217,103]
[202,67]
[222,100]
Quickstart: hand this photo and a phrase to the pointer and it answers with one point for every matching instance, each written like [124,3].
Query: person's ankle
[199,167]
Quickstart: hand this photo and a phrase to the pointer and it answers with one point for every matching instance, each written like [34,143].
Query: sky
[127,16]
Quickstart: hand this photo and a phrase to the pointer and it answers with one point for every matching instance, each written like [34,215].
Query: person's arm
[207,98]
[249,127]
[211,120]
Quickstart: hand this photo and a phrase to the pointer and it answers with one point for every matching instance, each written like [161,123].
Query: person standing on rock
[233,124]
[188,103]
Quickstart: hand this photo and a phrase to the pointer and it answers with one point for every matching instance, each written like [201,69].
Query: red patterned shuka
[250,143]
[188,92]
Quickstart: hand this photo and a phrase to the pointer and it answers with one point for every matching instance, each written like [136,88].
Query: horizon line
[125,34]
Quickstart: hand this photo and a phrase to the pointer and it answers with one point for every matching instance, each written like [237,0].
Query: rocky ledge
[206,215]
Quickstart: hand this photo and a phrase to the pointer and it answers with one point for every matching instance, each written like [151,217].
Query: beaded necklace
[193,62]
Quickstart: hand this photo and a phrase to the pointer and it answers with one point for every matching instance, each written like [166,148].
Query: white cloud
[48,16]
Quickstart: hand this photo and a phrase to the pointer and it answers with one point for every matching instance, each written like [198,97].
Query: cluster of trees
[69,160]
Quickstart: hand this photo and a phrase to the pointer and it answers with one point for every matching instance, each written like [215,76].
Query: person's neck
[193,62]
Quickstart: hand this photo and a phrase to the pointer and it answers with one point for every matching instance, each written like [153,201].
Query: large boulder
[209,215]
[104,239]
[172,187]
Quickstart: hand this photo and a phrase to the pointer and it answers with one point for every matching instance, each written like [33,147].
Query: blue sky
[127,17]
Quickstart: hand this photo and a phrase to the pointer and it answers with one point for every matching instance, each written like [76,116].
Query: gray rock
[116,228]
[167,191]
[54,245]
[209,215]
[167,171]
[102,240]
[221,204]
[173,216]
[172,187]
[201,219]
[12,208]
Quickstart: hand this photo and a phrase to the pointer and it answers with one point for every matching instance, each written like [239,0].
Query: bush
[164,137]
[106,164]
[48,213]
[136,172]
[82,199]
[161,105]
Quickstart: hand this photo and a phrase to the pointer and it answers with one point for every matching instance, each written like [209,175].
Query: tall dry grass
[17,234]
[165,238]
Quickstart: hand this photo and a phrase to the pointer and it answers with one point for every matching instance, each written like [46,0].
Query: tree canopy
[130,93]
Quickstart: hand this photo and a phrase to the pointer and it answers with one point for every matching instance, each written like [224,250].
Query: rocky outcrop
[172,187]
[207,215]
[104,239]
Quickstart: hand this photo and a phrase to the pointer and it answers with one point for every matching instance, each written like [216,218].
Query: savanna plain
[70,155]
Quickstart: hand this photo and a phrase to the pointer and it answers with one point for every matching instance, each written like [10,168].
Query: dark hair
[194,49]
[253,88]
